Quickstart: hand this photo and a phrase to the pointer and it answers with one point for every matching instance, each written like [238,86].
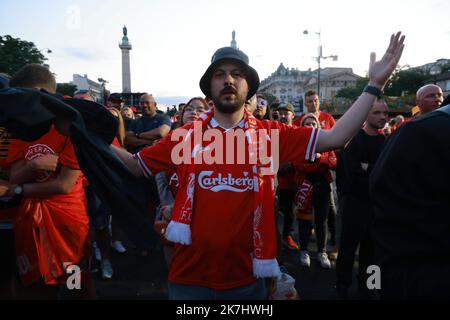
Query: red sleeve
[332,121]
[331,160]
[296,143]
[307,167]
[67,157]
[116,143]
[158,157]
[16,151]
[297,121]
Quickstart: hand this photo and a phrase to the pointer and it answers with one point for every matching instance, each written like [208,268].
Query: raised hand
[380,71]
[48,162]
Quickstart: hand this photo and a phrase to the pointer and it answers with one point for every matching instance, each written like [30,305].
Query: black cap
[24,112]
[96,117]
[286,106]
[229,53]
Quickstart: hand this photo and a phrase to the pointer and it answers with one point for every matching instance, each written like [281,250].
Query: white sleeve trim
[312,145]
[147,172]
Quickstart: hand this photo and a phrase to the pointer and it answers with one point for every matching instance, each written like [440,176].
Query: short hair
[148,95]
[422,89]
[311,93]
[310,116]
[34,75]
[202,101]
[180,123]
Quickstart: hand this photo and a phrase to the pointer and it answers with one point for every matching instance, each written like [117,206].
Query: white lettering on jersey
[219,182]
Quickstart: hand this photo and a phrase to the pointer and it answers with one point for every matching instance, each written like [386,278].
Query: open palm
[380,71]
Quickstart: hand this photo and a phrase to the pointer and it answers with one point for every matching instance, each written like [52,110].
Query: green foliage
[405,82]
[445,67]
[172,111]
[402,83]
[353,92]
[15,53]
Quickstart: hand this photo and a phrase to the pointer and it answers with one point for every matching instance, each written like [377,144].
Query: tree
[172,111]
[405,81]
[66,89]
[445,67]
[353,92]
[15,53]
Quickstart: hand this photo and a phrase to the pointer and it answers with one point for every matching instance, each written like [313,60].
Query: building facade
[443,81]
[95,89]
[290,85]
[427,67]
[331,81]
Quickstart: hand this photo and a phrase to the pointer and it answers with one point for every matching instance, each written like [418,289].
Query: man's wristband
[374,90]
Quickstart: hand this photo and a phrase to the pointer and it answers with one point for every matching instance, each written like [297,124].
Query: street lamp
[103,82]
[48,50]
[319,57]
[434,71]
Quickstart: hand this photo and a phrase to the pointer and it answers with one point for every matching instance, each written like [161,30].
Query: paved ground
[145,278]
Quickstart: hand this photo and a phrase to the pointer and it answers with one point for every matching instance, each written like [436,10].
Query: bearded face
[229,88]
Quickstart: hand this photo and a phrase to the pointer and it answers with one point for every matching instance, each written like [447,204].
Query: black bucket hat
[229,53]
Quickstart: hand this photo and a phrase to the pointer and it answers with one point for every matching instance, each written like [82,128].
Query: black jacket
[410,190]
[29,114]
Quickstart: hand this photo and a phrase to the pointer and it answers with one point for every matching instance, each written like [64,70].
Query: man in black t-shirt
[151,127]
[355,164]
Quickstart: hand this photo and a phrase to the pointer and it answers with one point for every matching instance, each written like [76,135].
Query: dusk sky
[173,40]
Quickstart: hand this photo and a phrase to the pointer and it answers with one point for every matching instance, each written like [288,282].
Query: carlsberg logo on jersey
[219,182]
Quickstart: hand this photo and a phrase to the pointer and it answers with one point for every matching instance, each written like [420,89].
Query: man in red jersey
[222,220]
[312,104]
[51,226]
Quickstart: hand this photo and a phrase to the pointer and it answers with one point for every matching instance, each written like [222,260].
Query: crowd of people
[218,221]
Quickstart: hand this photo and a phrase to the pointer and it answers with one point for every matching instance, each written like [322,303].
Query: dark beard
[229,107]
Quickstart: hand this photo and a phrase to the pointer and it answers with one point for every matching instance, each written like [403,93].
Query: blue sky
[173,40]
